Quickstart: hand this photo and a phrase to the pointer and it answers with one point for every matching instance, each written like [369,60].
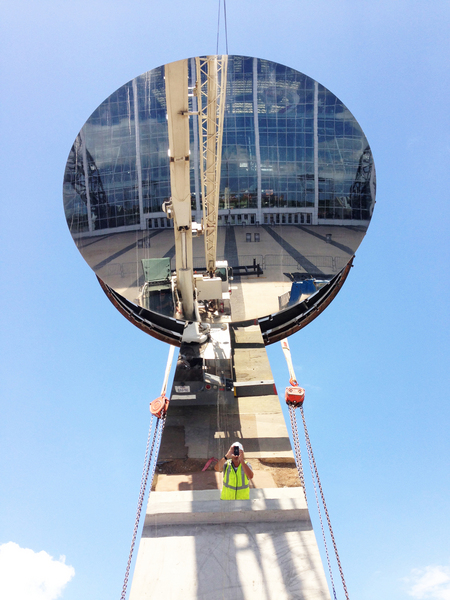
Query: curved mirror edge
[281,325]
[162,328]
[274,327]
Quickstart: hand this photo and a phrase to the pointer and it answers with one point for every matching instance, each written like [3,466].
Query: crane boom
[176,79]
[191,289]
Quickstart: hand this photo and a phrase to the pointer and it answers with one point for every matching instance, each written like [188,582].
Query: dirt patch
[284,473]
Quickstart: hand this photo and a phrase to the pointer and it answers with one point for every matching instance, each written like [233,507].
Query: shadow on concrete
[241,561]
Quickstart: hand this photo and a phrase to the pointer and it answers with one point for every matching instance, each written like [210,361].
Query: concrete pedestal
[195,546]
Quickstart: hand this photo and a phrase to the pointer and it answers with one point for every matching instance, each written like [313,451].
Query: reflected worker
[236,474]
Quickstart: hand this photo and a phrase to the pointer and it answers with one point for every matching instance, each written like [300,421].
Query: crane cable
[294,400]
[218,26]
[151,455]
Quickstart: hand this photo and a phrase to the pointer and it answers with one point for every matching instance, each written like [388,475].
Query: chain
[147,462]
[313,466]
[151,457]
[297,451]
[309,449]
[159,428]
[312,460]
[298,460]
[146,467]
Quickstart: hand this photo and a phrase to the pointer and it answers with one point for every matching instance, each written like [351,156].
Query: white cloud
[29,575]
[432,583]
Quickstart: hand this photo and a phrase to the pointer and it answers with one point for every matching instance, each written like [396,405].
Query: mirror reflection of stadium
[296,197]
[274,258]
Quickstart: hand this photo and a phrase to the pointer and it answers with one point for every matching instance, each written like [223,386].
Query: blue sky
[76,377]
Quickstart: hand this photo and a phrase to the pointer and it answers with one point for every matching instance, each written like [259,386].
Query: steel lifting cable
[225,23]
[294,399]
[151,455]
[218,29]
[226,29]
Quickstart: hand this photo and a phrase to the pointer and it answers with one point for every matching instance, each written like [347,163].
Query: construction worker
[236,474]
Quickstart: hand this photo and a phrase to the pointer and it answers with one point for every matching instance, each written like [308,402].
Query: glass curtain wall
[292,153]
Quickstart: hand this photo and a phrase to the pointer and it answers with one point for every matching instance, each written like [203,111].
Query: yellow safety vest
[235,483]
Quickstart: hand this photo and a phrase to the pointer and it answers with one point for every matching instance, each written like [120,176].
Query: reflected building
[297,185]
[292,153]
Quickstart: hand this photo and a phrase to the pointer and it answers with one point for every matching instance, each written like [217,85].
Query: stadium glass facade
[292,154]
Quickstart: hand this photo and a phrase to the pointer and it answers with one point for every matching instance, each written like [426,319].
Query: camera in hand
[236,451]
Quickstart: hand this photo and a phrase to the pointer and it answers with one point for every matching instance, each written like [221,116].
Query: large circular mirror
[297,191]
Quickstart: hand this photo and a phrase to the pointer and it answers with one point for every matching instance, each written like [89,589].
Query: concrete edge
[205,507]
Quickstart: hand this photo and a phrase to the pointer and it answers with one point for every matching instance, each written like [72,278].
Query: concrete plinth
[195,546]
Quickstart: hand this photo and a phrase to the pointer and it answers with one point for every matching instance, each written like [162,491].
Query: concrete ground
[281,252]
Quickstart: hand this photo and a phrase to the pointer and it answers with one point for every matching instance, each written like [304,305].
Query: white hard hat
[241,447]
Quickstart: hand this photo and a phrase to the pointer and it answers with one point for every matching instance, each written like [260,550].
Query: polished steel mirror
[297,191]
